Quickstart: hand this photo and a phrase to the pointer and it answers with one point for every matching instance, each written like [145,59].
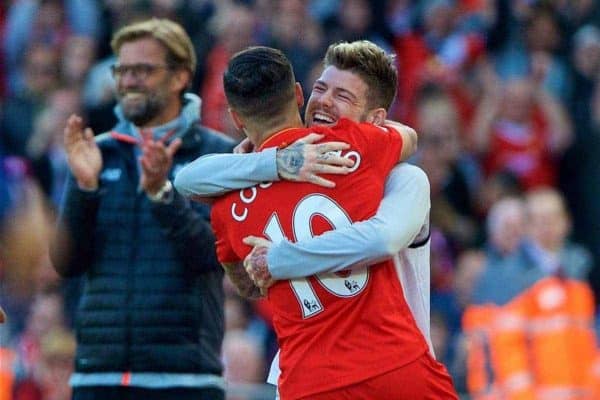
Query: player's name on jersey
[239,212]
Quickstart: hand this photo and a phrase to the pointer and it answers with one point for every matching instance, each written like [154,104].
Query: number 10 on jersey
[346,286]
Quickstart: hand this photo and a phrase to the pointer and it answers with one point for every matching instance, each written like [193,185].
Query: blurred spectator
[49,22]
[57,353]
[494,188]
[245,316]
[469,266]
[231,38]
[548,228]
[453,175]
[24,236]
[354,20]
[243,360]
[303,47]
[581,188]
[539,36]
[45,353]
[46,139]
[98,95]
[521,128]
[441,53]
[244,368]
[41,71]
[586,75]
[505,257]
[78,56]
[526,309]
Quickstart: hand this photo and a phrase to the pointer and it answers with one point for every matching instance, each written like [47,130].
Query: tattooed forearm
[290,161]
[240,279]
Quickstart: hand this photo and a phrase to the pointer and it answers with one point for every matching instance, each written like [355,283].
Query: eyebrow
[338,89]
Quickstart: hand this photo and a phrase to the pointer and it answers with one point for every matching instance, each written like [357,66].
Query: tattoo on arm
[290,161]
[240,279]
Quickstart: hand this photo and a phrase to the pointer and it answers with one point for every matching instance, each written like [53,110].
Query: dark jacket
[152,297]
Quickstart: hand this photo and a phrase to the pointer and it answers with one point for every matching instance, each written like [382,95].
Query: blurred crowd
[505,96]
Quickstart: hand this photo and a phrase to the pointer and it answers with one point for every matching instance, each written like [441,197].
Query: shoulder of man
[105,140]
[412,172]
[213,141]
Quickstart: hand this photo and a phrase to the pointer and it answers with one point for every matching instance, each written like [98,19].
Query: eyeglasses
[138,71]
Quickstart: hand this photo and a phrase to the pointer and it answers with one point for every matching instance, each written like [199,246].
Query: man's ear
[180,79]
[376,116]
[299,95]
[237,120]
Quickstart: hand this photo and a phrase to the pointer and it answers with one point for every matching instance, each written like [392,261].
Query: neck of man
[260,130]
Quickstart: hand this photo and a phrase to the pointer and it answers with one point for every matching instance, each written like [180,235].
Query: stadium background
[470,71]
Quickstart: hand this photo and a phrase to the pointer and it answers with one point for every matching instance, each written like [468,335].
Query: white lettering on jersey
[248,195]
[348,285]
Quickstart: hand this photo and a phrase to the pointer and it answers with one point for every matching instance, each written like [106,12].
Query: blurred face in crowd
[337,93]
[506,225]
[543,33]
[517,101]
[438,124]
[548,222]
[41,69]
[355,15]
[78,58]
[146,87]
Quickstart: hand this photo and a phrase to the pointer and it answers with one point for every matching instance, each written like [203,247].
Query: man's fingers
[317,180]
[245,146]
[88,134]
[72,127]
[256,241]
[332,146]
[332,169]
[173,147]
[333,159]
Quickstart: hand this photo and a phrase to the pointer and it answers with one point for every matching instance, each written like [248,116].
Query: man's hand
[83,154]
[255,262]
[156,162]
[304,161]
[243,147]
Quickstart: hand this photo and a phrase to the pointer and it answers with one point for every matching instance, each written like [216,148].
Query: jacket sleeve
[401,215]
[189,231]
[76,221]
[215,174]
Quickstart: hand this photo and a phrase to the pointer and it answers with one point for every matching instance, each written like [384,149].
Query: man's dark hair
[259,83]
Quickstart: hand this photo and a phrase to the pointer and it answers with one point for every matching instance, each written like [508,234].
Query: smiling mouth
[323,119]
[132,96]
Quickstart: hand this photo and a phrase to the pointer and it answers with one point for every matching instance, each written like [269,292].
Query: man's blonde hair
[180,50]
[372,64]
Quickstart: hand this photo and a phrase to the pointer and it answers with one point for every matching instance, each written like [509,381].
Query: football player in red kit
[347,335]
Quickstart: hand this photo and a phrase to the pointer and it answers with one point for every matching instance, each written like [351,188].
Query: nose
[128,77]
[325,99]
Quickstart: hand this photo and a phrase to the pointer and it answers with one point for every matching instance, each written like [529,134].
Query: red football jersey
[333,329]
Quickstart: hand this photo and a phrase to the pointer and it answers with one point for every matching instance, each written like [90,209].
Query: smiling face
[152,98]
[336,94]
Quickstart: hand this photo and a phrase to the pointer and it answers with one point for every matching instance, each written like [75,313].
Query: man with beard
[150,319]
